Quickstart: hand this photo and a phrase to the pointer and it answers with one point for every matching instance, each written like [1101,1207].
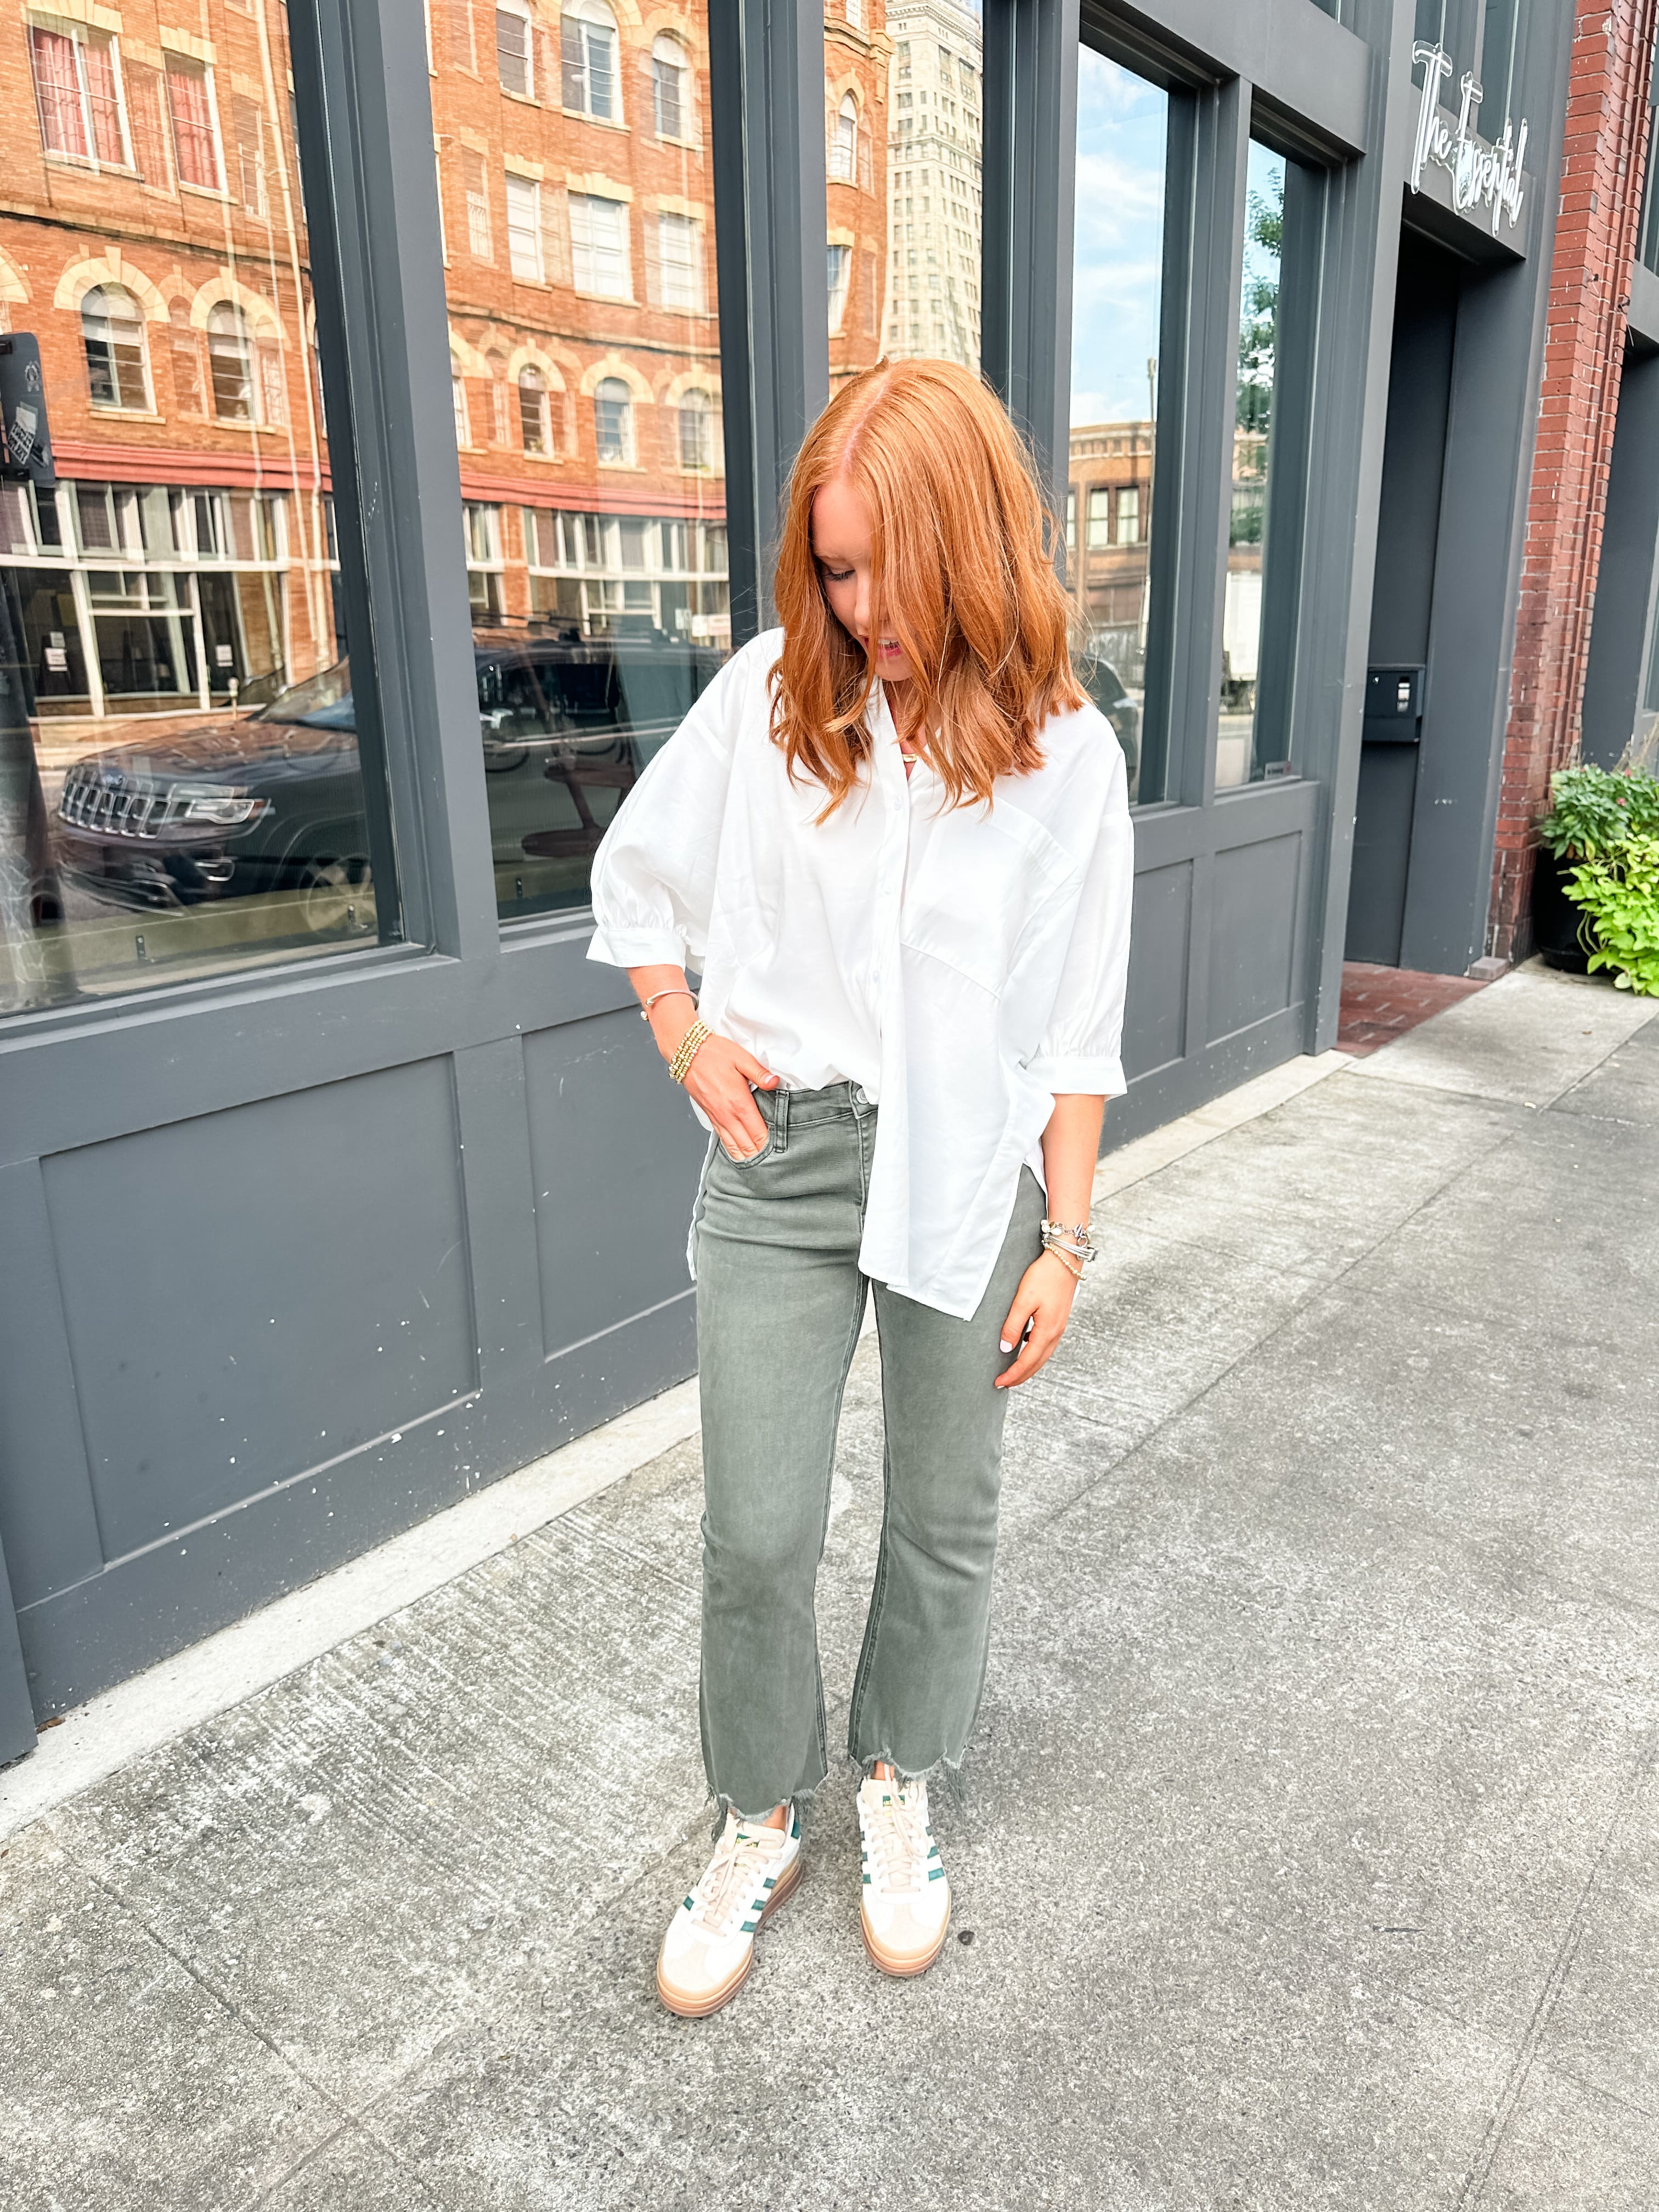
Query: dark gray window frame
[452,986]
[462,989]
[1287,73]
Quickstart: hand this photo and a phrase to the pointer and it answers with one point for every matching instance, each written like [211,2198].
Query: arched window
[670,107]
[458,394]
[230,363]
[613,421]
[844,145]
[588,54]
[112,331]
[514,55]
[696,430]
[534,420]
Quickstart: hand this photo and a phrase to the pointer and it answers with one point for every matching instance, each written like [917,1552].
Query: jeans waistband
[836,1102]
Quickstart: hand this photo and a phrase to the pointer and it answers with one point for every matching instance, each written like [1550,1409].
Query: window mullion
[768,161]
[372,191]
[89,132]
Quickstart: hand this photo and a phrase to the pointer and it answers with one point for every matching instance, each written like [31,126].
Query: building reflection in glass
[1236,743]
[1117,297]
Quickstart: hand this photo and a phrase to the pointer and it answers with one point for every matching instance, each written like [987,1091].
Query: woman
[893,838]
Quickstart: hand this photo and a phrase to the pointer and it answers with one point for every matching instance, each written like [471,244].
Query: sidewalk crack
[346,2116]
[1498,2127]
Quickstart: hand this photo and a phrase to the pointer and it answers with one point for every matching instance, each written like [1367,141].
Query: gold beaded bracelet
[680,1066]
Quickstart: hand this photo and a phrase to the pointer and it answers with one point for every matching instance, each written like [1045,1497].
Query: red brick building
[152,235]
[1588,357]
[857,59]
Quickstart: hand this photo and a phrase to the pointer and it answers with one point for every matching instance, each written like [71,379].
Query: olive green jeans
[780,1300]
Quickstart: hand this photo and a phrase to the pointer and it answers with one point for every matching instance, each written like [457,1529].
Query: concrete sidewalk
[1311,1850]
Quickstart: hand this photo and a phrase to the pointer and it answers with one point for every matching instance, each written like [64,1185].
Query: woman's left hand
[1044,1298]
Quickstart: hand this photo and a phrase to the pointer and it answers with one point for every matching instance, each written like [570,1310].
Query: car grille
[116,806]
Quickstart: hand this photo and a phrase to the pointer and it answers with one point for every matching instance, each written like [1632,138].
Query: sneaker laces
[900,1843]
[734,1874]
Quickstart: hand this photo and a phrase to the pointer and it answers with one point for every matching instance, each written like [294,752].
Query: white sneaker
[907,1898]
[710,1944]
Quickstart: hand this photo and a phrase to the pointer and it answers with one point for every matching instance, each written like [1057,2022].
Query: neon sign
[1481,175]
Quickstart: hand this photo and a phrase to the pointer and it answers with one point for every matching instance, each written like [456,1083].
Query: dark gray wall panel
[47,1524]
[1253,932]
[16,1708]
[501,1209]
[1381,854]
[1415,449]
[254,1293]
[1203,1075]
[603,1113]
[1155,1011]
[80,1640]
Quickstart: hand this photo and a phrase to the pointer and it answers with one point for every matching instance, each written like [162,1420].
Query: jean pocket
[754,1159]
[763,1108]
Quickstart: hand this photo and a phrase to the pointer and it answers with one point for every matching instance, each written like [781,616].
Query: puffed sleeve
[1081,1049]
[654,873]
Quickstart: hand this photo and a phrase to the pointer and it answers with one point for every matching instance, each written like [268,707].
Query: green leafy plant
[1594,810]
[1619,893]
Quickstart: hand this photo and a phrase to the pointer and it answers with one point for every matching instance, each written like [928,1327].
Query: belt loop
[780,1120]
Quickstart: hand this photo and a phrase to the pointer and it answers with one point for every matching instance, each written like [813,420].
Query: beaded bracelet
[679,1067]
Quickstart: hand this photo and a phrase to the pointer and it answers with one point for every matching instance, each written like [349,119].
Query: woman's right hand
[718,1079]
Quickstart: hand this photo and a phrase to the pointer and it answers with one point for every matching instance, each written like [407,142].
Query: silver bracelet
[1072,1238]
[674,991]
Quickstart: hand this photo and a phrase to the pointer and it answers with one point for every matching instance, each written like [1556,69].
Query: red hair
[964,578]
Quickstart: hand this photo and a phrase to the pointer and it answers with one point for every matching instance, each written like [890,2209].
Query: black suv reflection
[274,801]
[1104,686]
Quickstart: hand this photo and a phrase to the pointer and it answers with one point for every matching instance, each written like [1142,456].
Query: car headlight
[227,810]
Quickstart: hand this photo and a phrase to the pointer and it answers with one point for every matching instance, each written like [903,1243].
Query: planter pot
[1555,918]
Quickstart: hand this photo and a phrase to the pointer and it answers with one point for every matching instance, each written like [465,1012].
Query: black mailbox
[1393,704]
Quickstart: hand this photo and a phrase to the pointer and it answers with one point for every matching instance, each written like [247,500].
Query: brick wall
[1603,156]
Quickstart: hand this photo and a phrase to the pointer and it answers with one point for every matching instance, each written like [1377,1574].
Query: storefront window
[1117,288]
[1452,25]
[585,359]
[169,627]
[1236,746]
[1500,37]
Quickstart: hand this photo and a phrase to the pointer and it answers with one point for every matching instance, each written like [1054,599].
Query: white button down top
[962,966]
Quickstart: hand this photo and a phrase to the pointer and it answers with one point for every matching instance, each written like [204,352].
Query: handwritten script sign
[1481,175]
